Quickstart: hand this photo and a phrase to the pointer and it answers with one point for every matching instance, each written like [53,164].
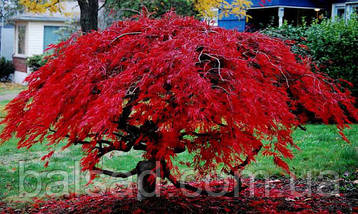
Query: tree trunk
[89,15]
[146,180]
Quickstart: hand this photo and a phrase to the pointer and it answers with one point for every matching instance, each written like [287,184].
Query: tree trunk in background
[89,15]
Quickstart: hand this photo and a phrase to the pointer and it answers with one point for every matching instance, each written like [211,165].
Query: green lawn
[321,149]
[11,88]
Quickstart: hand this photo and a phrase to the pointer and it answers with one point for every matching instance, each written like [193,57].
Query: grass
[10,88]
[2,108]
[321,149]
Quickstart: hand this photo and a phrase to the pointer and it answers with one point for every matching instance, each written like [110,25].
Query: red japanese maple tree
[169,85]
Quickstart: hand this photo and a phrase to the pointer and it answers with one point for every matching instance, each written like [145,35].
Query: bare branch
[278,68]
[54,131]
[115,174]
[130,10]
[140,146]
[302,128]
[178,150]
[246,162]
[189,187]
[82,142]
[216,86]
[124,34]
[219,65]
[179,184]
[212,135]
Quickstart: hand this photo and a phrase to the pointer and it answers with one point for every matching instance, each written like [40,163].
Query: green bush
[332,45]
[6,68]
[36,61]
[288,32]
[334,48]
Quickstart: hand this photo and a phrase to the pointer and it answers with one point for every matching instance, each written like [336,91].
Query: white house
[6,41]
[7,9]
[344,8]
[33,34]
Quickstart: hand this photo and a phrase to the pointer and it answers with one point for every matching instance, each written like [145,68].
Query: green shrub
[334,48]
[6,68]
[332,45]
[288,32]
[36,61]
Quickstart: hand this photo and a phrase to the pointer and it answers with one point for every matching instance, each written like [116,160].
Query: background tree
[115,10]
[8,9]
[235,7]
[157,7]
[88,16]
[89,8]
[170,85]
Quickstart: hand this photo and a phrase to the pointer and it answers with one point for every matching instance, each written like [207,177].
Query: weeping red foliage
[163,85]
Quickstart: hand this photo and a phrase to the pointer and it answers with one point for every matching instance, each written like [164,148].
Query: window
[340,12]
[21,36]
[50,35]
[351,8]
[355,8]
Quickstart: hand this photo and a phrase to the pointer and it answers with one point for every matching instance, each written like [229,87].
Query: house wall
[237,24]
[349,6]
[292,3]
[34,41]
[232,22]
[35,38]
[20,64]
[7,42]
[20,69]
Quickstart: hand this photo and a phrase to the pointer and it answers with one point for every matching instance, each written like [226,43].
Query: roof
[290,3]
[346,1]
[40,18]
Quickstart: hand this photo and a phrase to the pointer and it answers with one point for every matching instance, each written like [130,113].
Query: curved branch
[54,131]
[116,174]
[179,184]
[198,134]
[140,146]
[219,65]
[219,87]
[238,188]
[130,10]
[178,150]
[124,34]
[189,187]
[82,142]
[302,128]
[248,160]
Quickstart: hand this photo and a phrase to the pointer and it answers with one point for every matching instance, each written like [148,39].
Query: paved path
[8,96]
